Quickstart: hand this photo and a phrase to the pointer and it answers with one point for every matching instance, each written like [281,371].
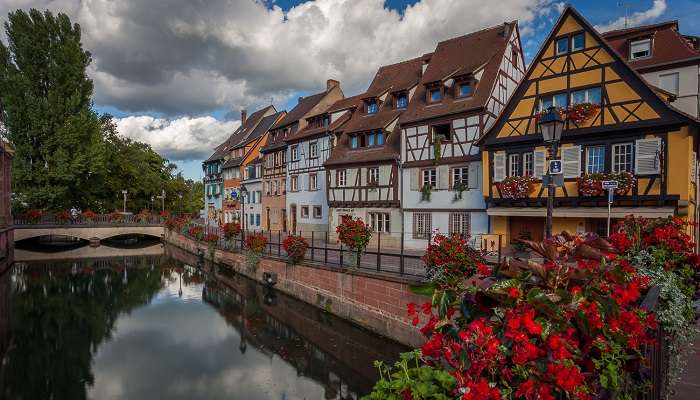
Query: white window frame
[429,177]
[461,221]
[301,211]
[373,174]
[587,97]
[616,152]
[460,174]
[528,164]
[294,185]
[513,164]
[596,158]
[640,42]
[571,45]
[295,152]
[422,225]
[554,103]
[379,222]
[313,149]
[342,178]
[313,182]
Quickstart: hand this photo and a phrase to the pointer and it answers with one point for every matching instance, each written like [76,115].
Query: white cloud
[638,18]
[178,139]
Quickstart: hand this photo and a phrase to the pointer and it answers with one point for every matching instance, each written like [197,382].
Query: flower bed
[295,247]
[62,217]
[33,216]
[591,185]
[570,327]
[355,234]
[516,187]
[88,216]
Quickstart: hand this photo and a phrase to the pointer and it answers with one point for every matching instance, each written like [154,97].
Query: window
[251,219]
[459,223]
[595,159]
[640,49]
[465,89]
[430,177]
[354,142]
[372,106]
[577,42]
[557,100]
[563,45]
[513,164]
[326,120]
[274,188]
[591,95]
[317,212]
[443,132]
[295,153]
[371,139]
[257,219]
[305,211]
[267,188]
[367,140]
[460,175]
[373,175]
[379,222]
[514,56]
[259,192]
[283,186]
[435,95]
[401,100]
[313,149]
[669,82]
[622,157]
[528,164]
[294,183]
[422,225]
[313,182]
[342,175]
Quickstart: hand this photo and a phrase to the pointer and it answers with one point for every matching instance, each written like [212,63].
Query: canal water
[159,324]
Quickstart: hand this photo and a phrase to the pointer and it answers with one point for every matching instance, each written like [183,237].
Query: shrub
[255,246]
[62,217]
[144,216]
[231,230]
[295,246]
[33,216]
[449,260]
[88,216]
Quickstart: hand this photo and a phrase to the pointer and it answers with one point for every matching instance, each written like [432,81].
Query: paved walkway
[688,388]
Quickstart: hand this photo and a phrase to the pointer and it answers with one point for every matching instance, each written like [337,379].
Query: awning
[582,212]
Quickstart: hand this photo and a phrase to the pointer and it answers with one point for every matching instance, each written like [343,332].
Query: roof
[669,46]
[240,134]
[321,130]
[346,103]
[343,154]
[234,162]
[264,125]
[389,78]
[461,56]
[304,105]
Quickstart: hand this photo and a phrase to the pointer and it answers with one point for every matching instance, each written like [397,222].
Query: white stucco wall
[302,167]
[688,87]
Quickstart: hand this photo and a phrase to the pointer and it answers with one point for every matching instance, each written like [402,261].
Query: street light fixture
[551,126]
[243,193]
[124,192]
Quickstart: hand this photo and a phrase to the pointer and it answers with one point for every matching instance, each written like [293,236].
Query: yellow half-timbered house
[617,127]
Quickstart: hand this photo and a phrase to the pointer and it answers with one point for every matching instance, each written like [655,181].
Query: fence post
[341,254]
[279,243]
[499,248]
[270,240]
[379,251]
[312,245]
[325,250]
[401,260]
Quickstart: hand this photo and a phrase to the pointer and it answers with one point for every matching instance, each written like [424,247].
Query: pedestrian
[74,215]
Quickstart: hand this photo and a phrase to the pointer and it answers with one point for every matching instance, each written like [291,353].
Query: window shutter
[694,167]
[571,161]
[473,176]
[443,177]
[539,163]
[499,167]
[646,154]
[415,179]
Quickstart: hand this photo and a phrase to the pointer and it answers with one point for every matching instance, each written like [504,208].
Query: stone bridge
[92,233]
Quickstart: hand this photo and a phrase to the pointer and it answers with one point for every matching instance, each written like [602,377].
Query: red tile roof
[669,46]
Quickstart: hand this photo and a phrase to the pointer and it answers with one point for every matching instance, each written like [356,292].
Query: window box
[516,187]
[591,185]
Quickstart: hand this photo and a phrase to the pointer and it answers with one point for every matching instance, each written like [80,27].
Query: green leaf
[423,290]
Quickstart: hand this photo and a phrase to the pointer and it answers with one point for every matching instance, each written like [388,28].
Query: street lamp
[179,195]
[243,193]
[124,192]
[152,200]
[551,127]
[162,199]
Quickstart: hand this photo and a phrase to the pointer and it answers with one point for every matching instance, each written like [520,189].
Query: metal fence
[656,354]
[386,252]
[98,219]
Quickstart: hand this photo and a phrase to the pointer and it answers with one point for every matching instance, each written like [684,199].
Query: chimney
[300,99]
[330,84]
[244,114]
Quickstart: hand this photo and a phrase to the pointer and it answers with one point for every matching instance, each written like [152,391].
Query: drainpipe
[401,198]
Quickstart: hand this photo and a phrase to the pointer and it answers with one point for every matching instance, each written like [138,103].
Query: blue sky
[177,74]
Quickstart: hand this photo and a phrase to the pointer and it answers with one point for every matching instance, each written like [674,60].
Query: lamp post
[152,200]
[124,192]
[551,127]
[179,195]
[243,193]
[162,199]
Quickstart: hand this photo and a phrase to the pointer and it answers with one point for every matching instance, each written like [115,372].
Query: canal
[157,323]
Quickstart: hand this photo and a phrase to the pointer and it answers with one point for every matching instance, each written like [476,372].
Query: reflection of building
[5,313]
[616,124]
[6,239]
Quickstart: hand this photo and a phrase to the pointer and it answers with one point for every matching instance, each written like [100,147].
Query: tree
[46,93]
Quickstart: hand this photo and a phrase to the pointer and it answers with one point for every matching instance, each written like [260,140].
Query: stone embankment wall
[376,302]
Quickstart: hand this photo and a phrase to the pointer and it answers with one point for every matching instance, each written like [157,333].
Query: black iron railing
[99,219]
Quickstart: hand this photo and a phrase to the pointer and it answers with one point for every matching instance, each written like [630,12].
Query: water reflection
[152,327]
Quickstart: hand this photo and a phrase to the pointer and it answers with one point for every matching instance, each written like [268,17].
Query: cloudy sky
[177,72]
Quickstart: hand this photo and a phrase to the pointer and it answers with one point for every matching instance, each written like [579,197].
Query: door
[531,228]
[284,220]
[267,219]
[293,210]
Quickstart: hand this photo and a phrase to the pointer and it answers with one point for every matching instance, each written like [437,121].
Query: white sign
[610,185]
[555,167]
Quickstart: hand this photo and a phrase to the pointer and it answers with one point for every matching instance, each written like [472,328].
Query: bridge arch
[86,233]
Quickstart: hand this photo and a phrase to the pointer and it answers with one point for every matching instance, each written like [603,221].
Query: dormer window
[354,142]
[371,139]
[434,95]
[372,107]
[401,100]
[326,120]
[640,49]
[563,45]
[464,89]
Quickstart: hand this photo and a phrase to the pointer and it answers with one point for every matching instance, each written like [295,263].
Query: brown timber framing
[360,190]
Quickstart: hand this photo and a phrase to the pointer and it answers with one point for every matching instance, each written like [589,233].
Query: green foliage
[409,378]
[65,155]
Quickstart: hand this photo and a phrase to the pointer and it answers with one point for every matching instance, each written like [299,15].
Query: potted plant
[255,246]
[116,217]
[425,192]
[591,185]
[459,187]
[231,231]
[211,239]
[295,247]
[354,234]
[516,187]
[581,112]
[62,217]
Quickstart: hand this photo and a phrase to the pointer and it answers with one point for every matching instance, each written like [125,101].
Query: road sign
[555,167]
[558,180]
[609,185]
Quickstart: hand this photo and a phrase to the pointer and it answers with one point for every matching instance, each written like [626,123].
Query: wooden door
[526,228]
[293,209]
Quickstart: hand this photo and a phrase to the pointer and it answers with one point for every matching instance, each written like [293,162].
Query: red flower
[483,269]
[513,292]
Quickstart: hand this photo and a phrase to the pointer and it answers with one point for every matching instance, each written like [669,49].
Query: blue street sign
[555,167]
[611,194]
[609,185]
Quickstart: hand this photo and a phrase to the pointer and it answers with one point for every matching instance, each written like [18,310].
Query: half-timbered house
[252,181]
[276,215]
[617,127]
[308,149]
[465,85]
[363,168]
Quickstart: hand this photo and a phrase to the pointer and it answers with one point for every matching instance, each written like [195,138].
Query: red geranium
[33,216]
[256,242]
[295,247]
[231,230]
[354,233]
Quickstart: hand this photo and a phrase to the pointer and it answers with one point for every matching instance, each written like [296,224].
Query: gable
[626,101]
